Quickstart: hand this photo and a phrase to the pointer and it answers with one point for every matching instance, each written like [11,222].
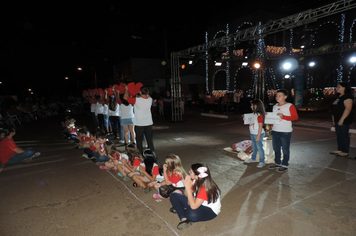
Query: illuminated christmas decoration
[238,52]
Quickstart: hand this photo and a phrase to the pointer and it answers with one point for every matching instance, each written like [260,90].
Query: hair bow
[202,172]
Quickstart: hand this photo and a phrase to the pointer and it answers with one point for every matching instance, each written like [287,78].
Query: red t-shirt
[175,178]
[7,147]
[202,193]
[155,170]
[137,162]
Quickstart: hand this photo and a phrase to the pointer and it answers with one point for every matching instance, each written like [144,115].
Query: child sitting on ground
[130,166]
[150,174]
[174,175]
[100,152]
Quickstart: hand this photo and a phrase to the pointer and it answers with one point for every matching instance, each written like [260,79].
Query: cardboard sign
[271,118]
[248,118]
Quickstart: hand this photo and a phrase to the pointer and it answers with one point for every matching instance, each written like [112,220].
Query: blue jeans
[122,131]
[343,138]
[180,204]
[257,147]
[281,140]
[99,158]
[28,153]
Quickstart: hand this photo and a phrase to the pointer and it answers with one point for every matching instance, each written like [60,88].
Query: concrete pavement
[61,193]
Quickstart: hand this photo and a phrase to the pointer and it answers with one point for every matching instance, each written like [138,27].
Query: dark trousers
[101,121]
[95,120]
[343,138]
[281,140]
[180,204]
[146,131]
[167,111]
[115,125]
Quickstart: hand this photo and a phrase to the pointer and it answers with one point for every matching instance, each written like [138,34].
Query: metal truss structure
[253,33]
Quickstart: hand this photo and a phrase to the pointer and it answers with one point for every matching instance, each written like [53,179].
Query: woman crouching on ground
[202,200]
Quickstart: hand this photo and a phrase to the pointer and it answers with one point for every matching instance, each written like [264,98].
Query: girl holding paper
[257,132]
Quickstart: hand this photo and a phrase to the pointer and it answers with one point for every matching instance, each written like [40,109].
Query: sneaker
[99,163]
[85,155]
[184,224]
[260,165]
[249,161]
[126,178]
[121,141]
[37,154]
[282,169]
[273,166]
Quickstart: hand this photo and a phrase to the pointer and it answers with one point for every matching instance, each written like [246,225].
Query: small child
[173,173]
[100,151]
[151,173]
[282,132]
[257,132]
[131,166]
[89,151]
[112,155]
[83,138]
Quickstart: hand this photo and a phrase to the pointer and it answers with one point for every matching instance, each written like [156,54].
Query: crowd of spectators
[35,108]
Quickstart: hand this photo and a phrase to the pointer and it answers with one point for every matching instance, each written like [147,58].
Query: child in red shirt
[10,153]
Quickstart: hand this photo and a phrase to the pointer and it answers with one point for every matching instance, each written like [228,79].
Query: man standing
[143,117]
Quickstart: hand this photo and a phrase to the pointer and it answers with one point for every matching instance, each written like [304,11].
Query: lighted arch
[214,77]
[324,24]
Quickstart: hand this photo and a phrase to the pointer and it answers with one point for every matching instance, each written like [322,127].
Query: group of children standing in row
[281,132]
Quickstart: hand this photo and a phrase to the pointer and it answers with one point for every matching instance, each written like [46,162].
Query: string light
[351,29]
[206,63]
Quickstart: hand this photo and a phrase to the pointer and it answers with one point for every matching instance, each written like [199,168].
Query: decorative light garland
[351,29]
[206,62]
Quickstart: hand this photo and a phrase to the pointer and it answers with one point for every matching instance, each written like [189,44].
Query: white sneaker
[37,154]
[85,155]
[260,165]
[121,141]
[250,161]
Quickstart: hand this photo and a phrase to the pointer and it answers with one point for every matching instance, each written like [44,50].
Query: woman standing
[342,118]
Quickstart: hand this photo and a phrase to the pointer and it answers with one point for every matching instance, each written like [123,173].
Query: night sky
[44,41]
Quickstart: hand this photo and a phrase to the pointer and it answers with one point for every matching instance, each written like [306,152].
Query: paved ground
[61,193]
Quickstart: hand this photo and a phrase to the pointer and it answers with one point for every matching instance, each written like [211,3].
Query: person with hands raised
[201,201]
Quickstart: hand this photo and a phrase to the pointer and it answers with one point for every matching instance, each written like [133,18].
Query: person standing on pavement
[143,117]
[167,106]
[282,132]
[257,132]
[11,153]
[342,118]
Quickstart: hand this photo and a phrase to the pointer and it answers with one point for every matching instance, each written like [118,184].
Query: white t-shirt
[142,108]
[126,111]
[116,112]
[92,107]
[255,126]
[214,206]
[99,108]
[283,125]
[106,109]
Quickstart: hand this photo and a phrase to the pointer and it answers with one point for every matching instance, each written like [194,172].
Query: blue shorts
[126,122]
[106,120]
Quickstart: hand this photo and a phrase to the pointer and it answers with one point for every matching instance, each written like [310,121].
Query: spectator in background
[167,106]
